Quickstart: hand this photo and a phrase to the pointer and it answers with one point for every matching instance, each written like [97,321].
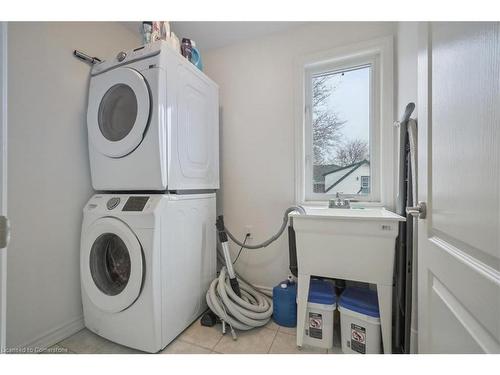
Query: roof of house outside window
[319,171]
[349,169]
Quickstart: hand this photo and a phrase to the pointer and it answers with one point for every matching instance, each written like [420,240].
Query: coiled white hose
[253,309]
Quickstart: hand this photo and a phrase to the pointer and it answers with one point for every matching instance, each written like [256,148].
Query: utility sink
[355,244]
[358,243]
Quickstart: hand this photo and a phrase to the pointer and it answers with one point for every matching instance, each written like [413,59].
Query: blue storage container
[285,304]
[363,301]
[321,303]
[322,292]
[360,321]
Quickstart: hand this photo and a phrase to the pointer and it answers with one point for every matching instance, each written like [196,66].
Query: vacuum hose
[235,301]
[252,309]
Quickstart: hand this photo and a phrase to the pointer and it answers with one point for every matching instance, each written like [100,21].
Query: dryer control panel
[125,57]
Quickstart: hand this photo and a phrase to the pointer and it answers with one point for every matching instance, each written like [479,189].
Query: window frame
[378,53]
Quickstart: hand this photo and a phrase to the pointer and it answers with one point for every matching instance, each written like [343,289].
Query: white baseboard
[55,335]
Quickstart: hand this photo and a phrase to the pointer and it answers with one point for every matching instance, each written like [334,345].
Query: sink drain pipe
[235,301]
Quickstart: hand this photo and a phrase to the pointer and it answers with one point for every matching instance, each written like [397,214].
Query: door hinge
[4,232]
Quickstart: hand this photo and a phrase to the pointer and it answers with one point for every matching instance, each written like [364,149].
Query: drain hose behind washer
[253,309]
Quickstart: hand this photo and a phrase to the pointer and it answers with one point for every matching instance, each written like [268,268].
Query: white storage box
[360,322]
[319,316]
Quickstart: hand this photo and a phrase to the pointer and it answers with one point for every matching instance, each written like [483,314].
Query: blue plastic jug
[285,304]
[196,58]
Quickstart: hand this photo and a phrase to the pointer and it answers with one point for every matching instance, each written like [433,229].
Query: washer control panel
[135,203]
[121,56]
[112,203]
[123,203]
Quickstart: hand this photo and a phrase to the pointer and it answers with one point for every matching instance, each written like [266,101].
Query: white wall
[49,178]
[3,173]
[406,53]
[257,125]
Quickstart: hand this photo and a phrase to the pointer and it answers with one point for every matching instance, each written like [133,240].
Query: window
[346,96]
[365,184]
[340,126]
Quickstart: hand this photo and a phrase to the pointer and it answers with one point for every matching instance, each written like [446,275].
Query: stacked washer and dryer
[148,245]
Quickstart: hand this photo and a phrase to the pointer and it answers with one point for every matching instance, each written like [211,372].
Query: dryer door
[118,111]
[111,265]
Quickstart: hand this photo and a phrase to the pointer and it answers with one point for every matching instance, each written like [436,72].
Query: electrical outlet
[249,229]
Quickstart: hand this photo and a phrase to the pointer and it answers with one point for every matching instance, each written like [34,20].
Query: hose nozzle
[220,223]
[220,228]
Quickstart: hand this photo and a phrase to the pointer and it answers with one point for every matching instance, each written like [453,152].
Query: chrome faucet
[339,202]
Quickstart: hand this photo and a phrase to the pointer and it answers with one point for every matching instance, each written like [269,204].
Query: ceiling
[209,35]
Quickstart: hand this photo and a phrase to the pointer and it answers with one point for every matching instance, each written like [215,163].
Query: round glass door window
[110,264]
[117,112]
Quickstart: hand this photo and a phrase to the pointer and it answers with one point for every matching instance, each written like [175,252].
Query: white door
[118,111]
[459,180]
[3,182]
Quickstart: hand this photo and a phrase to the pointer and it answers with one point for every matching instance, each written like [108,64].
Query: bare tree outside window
[326,124]
[351,152]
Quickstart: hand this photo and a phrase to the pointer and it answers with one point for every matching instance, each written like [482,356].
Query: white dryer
[153,123]
[146,263]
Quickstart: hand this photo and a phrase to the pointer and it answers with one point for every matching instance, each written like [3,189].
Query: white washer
[153,123]
[146,263]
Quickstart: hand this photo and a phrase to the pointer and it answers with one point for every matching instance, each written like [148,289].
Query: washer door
[111,265]
[118,112]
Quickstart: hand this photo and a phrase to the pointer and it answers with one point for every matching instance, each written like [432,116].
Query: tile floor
[197,339]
